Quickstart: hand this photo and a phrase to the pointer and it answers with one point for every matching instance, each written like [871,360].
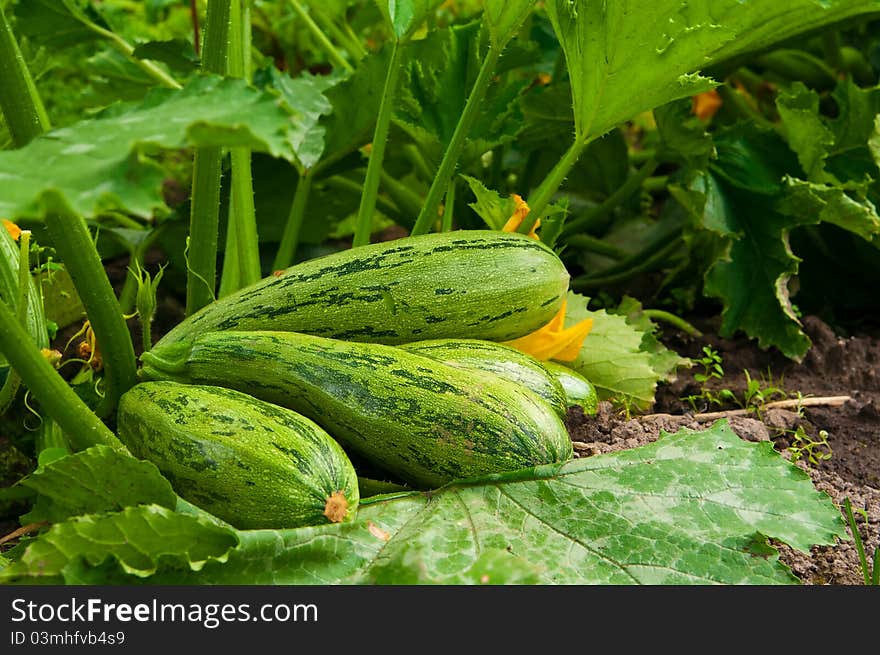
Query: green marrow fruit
[470,283]
[506,362]
[421,420]
[579,391]
[248,462]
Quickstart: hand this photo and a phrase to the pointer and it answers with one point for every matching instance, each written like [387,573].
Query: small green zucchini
[579,391]
[251,463]
[506,362]
[480,284]
[419,419]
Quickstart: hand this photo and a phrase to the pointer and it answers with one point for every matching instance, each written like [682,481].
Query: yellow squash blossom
[554,340]
[519,214]
[12,228]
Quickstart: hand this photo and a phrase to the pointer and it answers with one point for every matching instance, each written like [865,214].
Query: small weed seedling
[815,450]
[712,370]
[872,573]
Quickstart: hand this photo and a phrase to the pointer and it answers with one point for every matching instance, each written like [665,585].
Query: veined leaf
[406,16]
[99,164]
[628,56]
[612,357]
[305,95]
[95,480]
[56,24]
[503,19]
[691,508]
[137,541]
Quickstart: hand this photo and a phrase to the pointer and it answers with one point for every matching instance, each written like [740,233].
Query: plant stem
[123,46]
[857,538]
[81,425]
[194,17]
[13,381]
[672,319]
[20,102]
[363,226]
[318,33]
[347,185]
[347,39]
[444,174]
[243,238]
[831,46]
[641,263]
[290,239]
[448,208]
[406,200]
[592,244]
[205,202]
[596,216]
[74,244]
[541,197]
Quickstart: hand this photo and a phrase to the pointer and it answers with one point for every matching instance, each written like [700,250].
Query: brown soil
[835,366]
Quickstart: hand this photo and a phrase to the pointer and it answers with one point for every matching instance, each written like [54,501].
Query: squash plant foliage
[297,126]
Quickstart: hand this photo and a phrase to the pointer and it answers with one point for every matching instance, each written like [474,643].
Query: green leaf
[305,96]
[56,24]
[99,164]
[628,56]
[406,16]
[805,130]
[95,480]
[441,72]
[612,357]
[683,136]
[137,541]
[355,102]
[665,362]
[489,205]
[755,200]
[503,18]
[691,508]
[177,54]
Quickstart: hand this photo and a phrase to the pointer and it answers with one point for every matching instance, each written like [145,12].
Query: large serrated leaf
[99,164]
[612,357]
[691,508]
[137,541]
[98,479]
[629,56]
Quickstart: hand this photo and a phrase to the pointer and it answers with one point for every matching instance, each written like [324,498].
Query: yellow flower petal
[522,210]
[12,228]
[553,341]
[706,105]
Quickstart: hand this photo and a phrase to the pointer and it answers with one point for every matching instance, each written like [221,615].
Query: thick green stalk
[245,241]
[448,208]
[290,239]
[645,263]
[13,381]
[318,33]
[428,215]
[205,202]
[363,226]
[407,201]
[81,425]
[672,319]
[598,214]
[230,279]
[592,244]
[72,240]
[542,196]
[22,107]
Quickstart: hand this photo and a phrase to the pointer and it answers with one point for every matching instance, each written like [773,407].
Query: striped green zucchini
[579,391]
[506,362]
[474,283]
[421,420]
[248,462]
